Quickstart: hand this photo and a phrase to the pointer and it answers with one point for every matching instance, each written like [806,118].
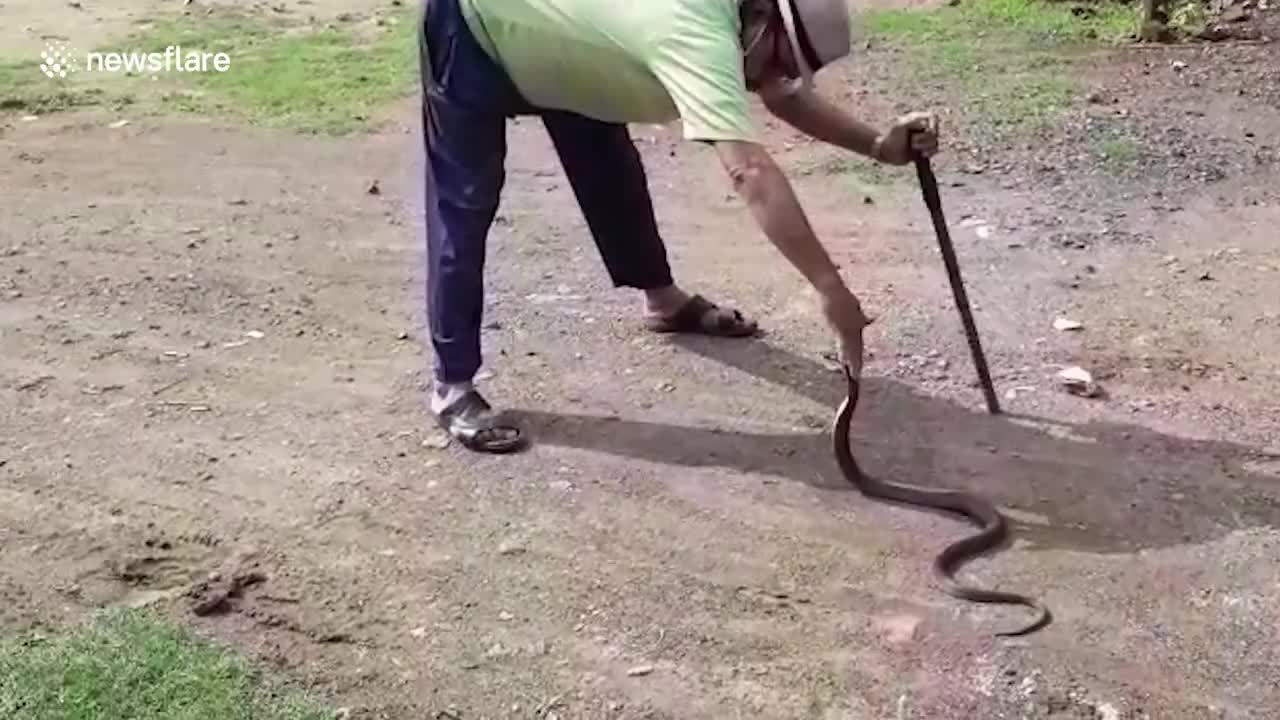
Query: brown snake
[992,523]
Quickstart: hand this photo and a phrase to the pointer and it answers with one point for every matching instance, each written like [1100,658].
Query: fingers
[924,132]
[851,365]
[924,144]
[851,357]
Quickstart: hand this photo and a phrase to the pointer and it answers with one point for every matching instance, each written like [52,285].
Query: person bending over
[587,68]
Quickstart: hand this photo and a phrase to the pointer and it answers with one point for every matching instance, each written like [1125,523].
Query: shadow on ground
[1097,487]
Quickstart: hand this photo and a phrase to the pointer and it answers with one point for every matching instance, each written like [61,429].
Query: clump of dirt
[217,594]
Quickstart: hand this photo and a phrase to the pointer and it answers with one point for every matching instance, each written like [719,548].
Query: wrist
[833,288]
[877,148]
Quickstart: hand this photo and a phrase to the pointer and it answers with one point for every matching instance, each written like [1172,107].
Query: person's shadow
[1097,487]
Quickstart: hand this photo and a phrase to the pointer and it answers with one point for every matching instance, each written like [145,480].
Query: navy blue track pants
[467,99]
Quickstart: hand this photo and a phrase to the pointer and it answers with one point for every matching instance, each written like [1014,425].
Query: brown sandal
[699,315]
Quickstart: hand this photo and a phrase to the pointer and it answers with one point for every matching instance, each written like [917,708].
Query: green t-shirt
[625,61]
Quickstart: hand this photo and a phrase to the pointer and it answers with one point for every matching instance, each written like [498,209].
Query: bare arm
[814,116]
[760,182]
[762,185]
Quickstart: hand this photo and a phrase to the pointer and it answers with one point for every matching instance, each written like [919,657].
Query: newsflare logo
[58,60]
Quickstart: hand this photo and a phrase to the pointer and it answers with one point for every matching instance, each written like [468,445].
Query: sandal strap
[727,320]
[471,404]
[701,316]
[695,313]
[691,314]
[470,420]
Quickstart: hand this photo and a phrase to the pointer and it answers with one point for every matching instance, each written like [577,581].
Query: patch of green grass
[1037,20]
[864,173]
[1007,58]
[325,80]
[864,178]
[1116,149]
[1058,21]
[131,665]
[1188,16]
[328,80]
[24,89]
[1023,100]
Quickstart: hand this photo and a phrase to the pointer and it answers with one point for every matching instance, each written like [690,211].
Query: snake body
[993,529]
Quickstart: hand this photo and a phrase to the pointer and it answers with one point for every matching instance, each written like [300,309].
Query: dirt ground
[224,369]
[83,24]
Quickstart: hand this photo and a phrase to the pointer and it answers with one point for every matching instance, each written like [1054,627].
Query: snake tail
[992,528]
